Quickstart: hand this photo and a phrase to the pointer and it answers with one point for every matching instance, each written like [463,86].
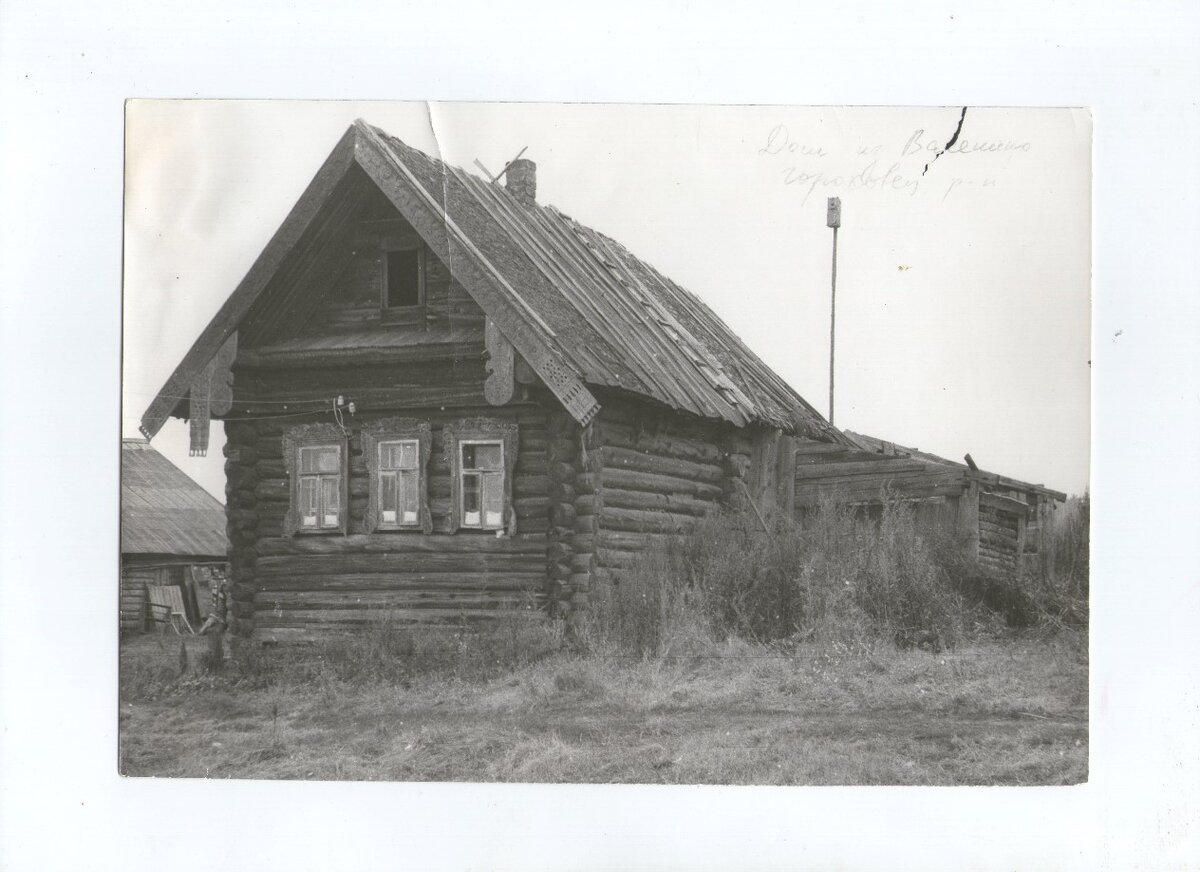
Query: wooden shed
[442,399]
[1004,523]
[172,534]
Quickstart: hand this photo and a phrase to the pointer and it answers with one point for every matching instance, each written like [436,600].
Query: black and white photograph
[675,436]
[606,444]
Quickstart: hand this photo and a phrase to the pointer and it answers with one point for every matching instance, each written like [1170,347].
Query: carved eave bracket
[211,393]
[500,386]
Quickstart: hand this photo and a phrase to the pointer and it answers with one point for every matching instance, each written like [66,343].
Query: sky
[963,274]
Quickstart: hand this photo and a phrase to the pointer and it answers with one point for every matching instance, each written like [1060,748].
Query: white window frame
[383,472]
[322,516]
[498,475]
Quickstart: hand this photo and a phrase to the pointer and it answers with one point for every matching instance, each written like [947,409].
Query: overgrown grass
[1011,712]
[840,578]
[727,656]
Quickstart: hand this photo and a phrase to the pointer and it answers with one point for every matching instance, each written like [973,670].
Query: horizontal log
[297,565]
[881,467]
[676,504]
[271,467]
[1008,530]
[269,622]
[611,433]
[403,543]
[563,515]
[1003,504]
[813,494]
[272,490]
[529,505]
[879,478]
[643,461]
[623,540]
[610,558]
[400,599]
[804,447]
[649,482]
[240,476]
[637,520]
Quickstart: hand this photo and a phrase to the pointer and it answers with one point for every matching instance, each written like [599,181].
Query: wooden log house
[442,399]
[172,535]
[1005,524]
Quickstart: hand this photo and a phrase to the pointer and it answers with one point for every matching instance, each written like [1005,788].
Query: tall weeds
[840,577]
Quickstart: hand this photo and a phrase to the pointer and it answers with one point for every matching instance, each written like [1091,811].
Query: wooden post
[833,218]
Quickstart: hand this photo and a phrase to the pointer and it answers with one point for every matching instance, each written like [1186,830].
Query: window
[396,451]
[404,278]
[399,476]
[315,458]
[321,487]
[482,454]
[481,476]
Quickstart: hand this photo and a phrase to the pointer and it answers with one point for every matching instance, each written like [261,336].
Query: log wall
[1001,534]
[648,474]
[355,295]
[302,585]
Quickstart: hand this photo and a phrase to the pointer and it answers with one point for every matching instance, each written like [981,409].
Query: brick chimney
[521,181]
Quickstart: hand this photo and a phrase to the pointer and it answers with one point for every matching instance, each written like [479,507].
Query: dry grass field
[846,652]
[520,708]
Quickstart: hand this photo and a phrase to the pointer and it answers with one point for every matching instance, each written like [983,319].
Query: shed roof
[881,446]
[163,511]
[579,307]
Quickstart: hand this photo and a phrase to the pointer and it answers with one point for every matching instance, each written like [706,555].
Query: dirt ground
[995,712]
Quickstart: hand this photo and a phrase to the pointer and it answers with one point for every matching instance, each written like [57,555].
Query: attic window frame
[412,311]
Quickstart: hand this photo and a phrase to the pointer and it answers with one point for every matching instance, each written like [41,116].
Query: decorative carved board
[500,385]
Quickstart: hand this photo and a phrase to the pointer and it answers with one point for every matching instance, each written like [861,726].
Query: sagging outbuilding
[172,538]
[442,400]
[1006,525]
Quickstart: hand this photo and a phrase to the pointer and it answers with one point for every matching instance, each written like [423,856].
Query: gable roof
[579,307]
[891,449]
[163,511]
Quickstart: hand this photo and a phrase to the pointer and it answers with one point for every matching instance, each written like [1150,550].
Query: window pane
[327,460]
[387,497]
[488,456]
[308,501]
[398,455]
[408,497]
[404,278]
[493,500]
[485,455]
[471,515]
[332,492]
[308,459]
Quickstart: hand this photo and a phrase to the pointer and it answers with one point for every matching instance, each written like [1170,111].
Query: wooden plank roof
[163,511]
[576,304]
[882,447]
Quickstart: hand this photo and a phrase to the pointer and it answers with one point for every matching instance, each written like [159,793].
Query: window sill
[403,315]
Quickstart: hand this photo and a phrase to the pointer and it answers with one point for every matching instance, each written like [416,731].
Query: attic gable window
[404,278]
[315,456]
